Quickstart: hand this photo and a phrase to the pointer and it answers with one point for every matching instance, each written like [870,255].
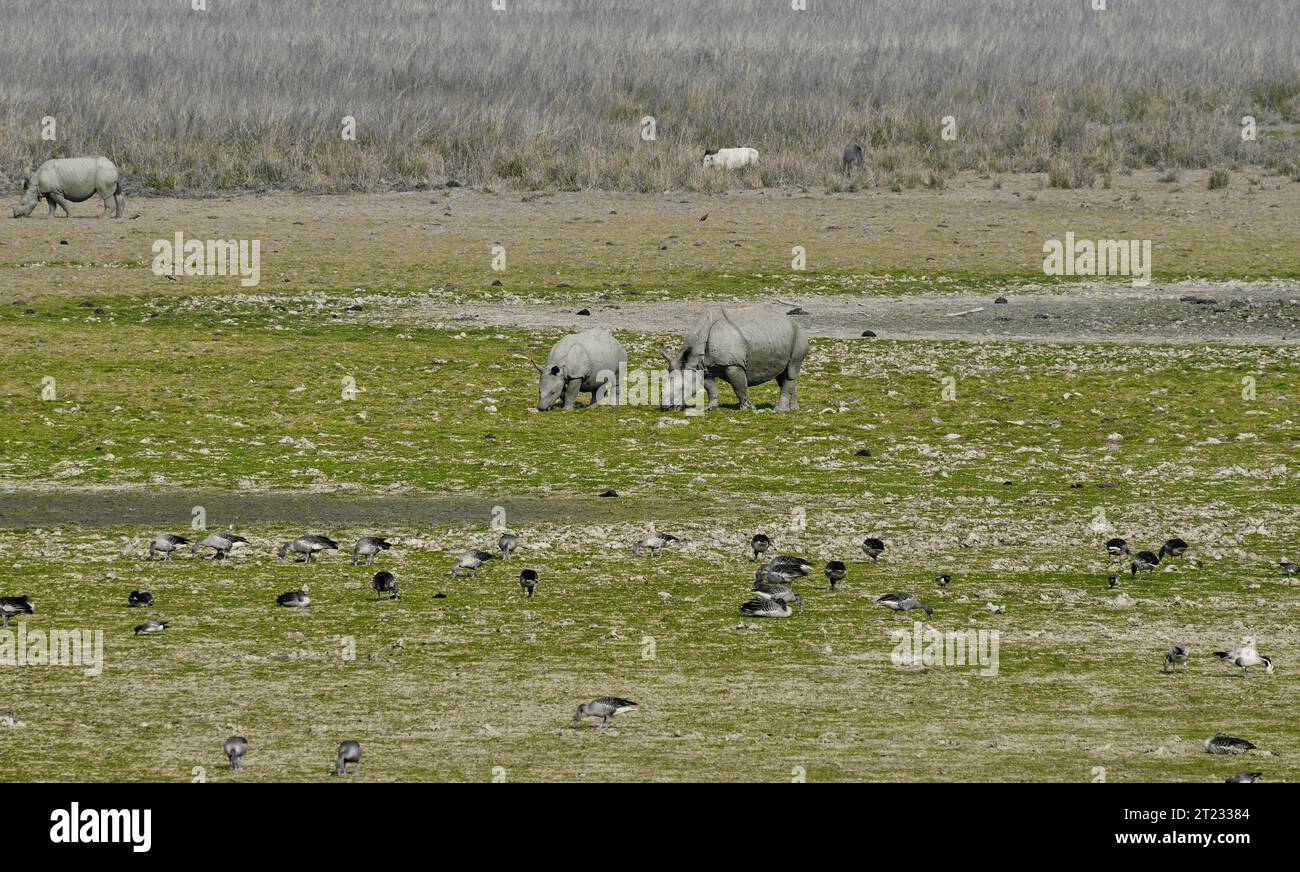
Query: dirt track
[1235,312]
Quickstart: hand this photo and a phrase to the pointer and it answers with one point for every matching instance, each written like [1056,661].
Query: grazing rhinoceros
[745,347]
[592,361]
[73,179]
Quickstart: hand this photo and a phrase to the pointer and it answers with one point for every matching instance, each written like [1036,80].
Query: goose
[385,583]
[471,560]
[763,606]
[759,544]
[779,592]
[507,545]
[1112,580]
[528,581]
[789,567]
[165,544]
[835,573]
[149,627]
[1245,778]
[1117,549]
[1225,744]
[1246,657]
[1173,547]
[943,580]
[221,543]
[349,752]
[604,707]
[295,599]
[308,544]
[903,602]
[235,748]
[138,598]
[15,605]
[1177,654]
[873,548]
[768,574]
[368,547]
[1146,562]
[1288,567]
[653,541]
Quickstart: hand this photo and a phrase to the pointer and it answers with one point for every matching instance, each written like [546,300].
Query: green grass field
[1011,484]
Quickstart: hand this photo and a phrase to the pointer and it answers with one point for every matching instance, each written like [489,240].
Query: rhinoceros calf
[592,361]
[744,347]
[73,179]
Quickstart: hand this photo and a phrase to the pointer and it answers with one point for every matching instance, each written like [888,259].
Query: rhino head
[550,386]
[31,196]
[685,379]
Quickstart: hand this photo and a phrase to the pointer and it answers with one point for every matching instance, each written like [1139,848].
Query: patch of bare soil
[1193,312]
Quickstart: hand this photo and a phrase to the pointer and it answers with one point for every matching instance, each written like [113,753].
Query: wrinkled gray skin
[73,180]
[852,157]
[743,347]
[580,362]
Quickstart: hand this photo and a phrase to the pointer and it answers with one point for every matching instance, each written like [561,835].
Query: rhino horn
[535,366]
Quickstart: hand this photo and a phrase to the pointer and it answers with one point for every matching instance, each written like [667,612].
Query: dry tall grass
[550,94]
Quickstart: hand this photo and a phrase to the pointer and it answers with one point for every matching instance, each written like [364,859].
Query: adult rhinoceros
[73,179]
[744,347]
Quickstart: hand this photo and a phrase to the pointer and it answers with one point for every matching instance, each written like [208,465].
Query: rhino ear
[555,370]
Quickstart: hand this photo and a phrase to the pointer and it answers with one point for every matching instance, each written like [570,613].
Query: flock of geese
[772,596]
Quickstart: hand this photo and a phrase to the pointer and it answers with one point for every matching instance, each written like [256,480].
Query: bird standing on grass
[349,752]
[221,543]
[1288,567]
[1144,561]
[1246,657]
[759,545]
[471,560]
[15,605]
[943,581]
[150,627]
[1175,656]
[790,566]
[385,583]
[1112,580]
[309,544]
[139,598]
[903,602]
[507,545]
[528,581]
[1173,547]
[653,541]
[165,544]
[235,748]
[873,548]
[836,571]
[1117,549]
[368,547]
[605,708]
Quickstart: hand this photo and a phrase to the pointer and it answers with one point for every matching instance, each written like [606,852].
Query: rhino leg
[57,199]
[788,399]
[711,388]
[571,388]
[735,376]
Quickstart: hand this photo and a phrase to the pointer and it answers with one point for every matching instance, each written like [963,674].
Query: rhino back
[76,178]
[762,339]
